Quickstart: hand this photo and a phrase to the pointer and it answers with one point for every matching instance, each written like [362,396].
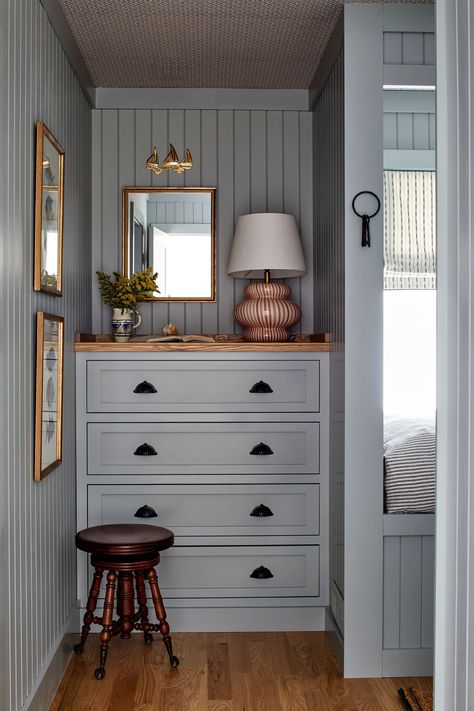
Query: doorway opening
[409,317]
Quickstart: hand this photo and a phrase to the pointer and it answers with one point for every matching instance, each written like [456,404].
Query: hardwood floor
[293,671]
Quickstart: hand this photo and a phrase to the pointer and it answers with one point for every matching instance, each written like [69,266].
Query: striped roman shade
[410,229]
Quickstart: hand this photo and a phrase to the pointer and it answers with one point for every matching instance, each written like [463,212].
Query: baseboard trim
[407,662]
[247,619]
[335,638]
[242,619]
[43,690]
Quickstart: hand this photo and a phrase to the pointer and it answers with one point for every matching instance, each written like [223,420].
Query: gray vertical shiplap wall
[259,161]
[329,262]
[37,520]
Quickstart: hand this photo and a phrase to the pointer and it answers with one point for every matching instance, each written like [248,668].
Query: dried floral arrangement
[123,292]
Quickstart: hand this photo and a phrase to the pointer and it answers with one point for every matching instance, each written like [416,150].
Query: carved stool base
[127,574]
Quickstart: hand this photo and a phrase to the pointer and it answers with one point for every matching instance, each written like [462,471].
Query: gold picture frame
[49,212]
[49,393]
[128,217]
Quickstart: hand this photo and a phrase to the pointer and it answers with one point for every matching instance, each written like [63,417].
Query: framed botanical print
[49,205]
[49,393]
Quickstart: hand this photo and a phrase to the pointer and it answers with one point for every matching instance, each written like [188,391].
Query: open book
[181,339]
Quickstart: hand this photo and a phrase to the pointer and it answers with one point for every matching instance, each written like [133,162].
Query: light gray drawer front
[225,571]
[206,386]
[203,448]
[211,510]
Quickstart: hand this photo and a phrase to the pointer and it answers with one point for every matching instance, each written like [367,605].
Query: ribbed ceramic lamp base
[266,313]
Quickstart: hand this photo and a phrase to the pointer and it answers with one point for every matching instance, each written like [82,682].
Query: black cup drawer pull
[145,388]
[261,573]
[261,511]
[260,388]
[145,512]
[145,450]
[261,449]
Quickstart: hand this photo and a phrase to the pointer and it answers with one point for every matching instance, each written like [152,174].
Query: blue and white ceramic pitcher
[122,324]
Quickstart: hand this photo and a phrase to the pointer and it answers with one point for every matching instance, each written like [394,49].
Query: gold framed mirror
[49,208]
[172,230]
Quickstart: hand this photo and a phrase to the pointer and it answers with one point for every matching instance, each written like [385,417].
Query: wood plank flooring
[293,671]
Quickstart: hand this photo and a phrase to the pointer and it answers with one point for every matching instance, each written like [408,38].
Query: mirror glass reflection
[172,231]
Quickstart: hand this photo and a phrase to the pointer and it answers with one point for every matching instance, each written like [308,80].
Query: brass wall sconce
[171,162]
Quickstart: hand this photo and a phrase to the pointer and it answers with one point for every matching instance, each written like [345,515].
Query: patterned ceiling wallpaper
[241,44]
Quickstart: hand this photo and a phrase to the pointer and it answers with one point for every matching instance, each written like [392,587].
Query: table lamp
[266,245]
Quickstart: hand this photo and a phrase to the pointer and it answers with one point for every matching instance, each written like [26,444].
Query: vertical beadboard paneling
[225,208]
[177,310]
[391,592]
[408,592]
[409,48]
[257,160]
[242,190]
[291,182]
[37,519]
[192,137]
[306,216]
[329,250]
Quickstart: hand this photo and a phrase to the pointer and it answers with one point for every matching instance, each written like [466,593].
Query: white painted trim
[409,160]
[46,684]
[261,99]
[409,524]
[409,18]
[454,610]
[363,518]
[409,75]
[408,662]
[406,101]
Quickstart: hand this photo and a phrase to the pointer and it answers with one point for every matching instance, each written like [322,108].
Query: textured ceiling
[242,44]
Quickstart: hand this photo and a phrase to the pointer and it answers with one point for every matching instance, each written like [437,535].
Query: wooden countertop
[318,343]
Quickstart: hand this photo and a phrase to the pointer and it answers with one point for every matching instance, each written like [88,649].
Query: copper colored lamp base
[266,313]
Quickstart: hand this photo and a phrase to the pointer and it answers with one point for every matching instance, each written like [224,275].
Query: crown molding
[328,60]
[64,34]
[251,99]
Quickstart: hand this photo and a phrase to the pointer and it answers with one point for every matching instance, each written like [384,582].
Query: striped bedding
[409,465]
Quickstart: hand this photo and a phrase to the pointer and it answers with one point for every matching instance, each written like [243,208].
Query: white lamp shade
[266,240]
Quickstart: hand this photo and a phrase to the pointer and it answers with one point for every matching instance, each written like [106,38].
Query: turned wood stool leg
[161,614]
[125,604]
[142,613]
[90,609]
[107,623]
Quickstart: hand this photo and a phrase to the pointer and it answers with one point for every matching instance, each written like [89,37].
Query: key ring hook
[366,192]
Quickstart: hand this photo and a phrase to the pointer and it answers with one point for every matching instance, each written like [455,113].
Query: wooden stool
[132,551]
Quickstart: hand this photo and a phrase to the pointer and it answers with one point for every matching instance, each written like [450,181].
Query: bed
[408,545]
[409,465]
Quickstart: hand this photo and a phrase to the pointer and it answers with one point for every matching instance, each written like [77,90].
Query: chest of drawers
[230,451]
